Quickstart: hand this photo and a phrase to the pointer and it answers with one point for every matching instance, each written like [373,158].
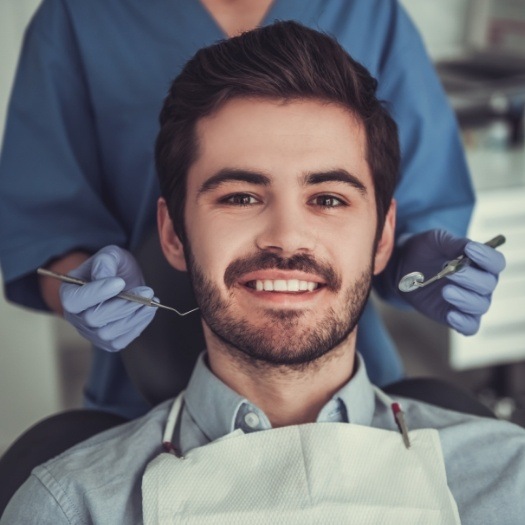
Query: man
[277,167]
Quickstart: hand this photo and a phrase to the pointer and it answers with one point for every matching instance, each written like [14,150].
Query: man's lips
[268,266]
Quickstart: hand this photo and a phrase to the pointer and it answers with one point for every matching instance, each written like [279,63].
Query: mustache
[271,261]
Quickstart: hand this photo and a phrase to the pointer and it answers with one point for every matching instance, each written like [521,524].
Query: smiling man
[277,167]
[281,238]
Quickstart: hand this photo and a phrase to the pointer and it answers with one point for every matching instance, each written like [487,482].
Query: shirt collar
[212,404]
[357,396]
[215,407]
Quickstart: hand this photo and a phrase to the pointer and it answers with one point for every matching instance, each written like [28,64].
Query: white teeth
[282,285]
[268,286]
[293,285]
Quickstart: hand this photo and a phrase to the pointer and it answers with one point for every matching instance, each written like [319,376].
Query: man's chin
[282,343]
[282,314]
[279,326]
[282,357]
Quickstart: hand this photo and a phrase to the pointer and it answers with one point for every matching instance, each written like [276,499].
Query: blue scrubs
[77,170]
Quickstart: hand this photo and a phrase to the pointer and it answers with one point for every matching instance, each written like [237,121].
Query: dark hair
[282,61]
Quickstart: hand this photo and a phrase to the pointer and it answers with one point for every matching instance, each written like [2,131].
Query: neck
[236,16]
[288,395]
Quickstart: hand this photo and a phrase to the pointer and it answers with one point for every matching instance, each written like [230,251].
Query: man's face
[281,221]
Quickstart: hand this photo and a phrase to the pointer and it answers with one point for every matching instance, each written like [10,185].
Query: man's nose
[287,231]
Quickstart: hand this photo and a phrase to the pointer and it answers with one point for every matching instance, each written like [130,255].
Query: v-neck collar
[299,10]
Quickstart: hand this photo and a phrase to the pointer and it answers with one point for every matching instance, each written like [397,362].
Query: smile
[283,285]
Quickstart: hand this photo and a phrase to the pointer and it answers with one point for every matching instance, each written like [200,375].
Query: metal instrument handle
[122,295]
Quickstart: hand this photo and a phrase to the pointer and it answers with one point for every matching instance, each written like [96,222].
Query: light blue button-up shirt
[99,480]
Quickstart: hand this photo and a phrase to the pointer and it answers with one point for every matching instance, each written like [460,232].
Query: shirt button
[252,420]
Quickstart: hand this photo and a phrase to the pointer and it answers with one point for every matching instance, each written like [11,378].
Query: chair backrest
[45,440]
[441,393]
[157,369]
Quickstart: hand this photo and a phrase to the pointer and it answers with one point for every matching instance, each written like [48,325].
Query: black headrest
[161,359]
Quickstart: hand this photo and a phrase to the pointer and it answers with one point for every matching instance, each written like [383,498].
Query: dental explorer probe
[122,295]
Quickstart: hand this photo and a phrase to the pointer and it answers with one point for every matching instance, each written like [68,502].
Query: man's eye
[327,201]
[240,199]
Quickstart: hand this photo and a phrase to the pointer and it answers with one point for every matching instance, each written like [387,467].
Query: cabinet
[499,178]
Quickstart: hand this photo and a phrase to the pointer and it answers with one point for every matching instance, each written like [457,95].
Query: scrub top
[77,168]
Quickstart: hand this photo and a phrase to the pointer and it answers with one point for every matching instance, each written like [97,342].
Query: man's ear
[385,244]
[170,243]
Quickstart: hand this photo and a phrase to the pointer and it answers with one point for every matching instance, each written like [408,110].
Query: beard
[281,337]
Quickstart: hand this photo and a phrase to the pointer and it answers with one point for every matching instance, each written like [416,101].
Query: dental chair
[161,373]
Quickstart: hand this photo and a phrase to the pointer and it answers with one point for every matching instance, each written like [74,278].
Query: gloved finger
[485,257]
[466,301]
[108,312]
[126,323]
[140,322]
[479,281]
[463,323]
[115,309]
[130,325]
[113,260]
[76,299]
[105,263]
[82,271]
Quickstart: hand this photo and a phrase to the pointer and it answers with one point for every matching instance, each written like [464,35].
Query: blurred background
[478,47]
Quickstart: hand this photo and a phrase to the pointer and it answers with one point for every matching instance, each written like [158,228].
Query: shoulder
[76,16]
[131,441]
[484,461]
[457,429]
[102,475]
[377,33]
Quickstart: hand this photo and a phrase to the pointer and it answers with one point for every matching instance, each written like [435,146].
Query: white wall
[441,22]
[14,15]
[30,385]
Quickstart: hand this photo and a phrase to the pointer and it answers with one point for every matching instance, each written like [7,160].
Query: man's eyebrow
[337,175]
[233,175]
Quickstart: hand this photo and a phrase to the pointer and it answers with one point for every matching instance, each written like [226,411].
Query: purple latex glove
[107,321]
[460,299]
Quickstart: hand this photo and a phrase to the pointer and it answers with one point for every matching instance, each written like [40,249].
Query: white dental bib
[318,473]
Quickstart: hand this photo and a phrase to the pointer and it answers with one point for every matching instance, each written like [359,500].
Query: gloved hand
[460,299]
[107,321]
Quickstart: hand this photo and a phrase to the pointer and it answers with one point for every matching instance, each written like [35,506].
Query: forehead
[280,138]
